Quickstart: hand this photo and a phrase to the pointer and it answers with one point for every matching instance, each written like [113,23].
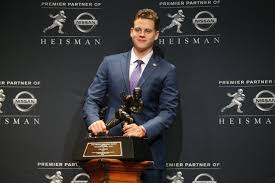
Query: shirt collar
[145,59]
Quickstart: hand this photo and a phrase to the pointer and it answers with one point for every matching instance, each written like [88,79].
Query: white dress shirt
[134,58]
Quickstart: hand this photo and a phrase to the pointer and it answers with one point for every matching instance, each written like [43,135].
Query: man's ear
[157,35]
[131,31]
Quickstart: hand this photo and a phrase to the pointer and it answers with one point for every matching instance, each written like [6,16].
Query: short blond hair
[148,14]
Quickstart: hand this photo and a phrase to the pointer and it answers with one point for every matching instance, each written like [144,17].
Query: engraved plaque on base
[118,147]
[102,149]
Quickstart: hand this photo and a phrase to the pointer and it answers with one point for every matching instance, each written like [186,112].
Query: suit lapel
[149,69]
[125,65]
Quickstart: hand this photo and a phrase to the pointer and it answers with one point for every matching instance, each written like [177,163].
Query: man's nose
[142,33]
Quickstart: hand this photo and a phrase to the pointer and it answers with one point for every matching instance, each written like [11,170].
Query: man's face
[143,34]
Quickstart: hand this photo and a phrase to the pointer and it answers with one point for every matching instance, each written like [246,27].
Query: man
[119,73]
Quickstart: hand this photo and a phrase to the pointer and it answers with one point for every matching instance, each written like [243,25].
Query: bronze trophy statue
[131,104]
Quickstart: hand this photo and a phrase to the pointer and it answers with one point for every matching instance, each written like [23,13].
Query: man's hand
[133,130]
[97,127]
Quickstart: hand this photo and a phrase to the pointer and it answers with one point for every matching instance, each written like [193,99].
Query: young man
[157,80]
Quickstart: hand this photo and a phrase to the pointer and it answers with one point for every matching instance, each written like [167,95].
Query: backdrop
[50,51]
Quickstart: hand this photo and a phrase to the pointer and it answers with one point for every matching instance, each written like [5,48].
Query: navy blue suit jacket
[159,94]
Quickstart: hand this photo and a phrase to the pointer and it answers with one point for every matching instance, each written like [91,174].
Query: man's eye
[137,29]
[148,30]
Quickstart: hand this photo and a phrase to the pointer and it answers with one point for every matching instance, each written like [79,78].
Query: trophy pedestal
[105,170]
[114,159]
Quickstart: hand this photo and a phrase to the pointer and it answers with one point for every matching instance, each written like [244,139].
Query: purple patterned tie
[134,78]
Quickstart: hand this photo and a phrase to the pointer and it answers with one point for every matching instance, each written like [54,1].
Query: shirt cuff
[143,130]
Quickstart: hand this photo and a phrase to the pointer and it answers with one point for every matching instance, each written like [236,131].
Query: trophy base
[116,147]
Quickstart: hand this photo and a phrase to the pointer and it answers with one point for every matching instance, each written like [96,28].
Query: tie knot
[139,62]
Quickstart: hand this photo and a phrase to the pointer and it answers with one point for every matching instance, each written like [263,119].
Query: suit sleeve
[95,94]
[168,102]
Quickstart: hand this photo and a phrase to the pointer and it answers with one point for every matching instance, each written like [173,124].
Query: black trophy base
[116,147]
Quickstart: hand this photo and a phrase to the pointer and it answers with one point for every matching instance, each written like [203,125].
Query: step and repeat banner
[224,55]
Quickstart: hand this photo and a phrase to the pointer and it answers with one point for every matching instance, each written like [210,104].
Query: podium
[105,170]
[114,159]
